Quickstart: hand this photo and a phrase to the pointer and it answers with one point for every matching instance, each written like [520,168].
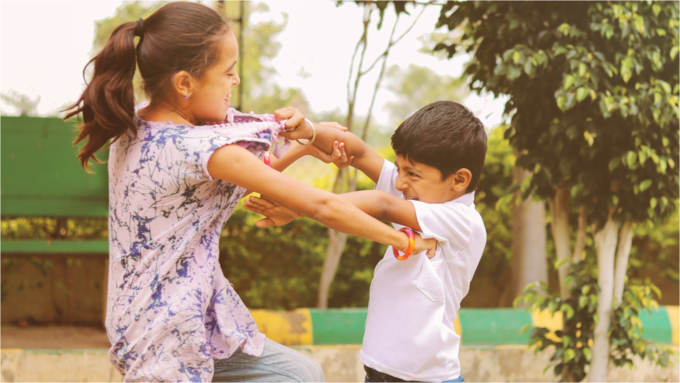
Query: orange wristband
[411,244]
[266,159]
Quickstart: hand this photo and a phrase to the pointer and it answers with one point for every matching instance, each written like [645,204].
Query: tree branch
[364,133]
[385,53]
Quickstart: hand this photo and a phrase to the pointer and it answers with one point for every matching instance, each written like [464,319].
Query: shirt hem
[401,374]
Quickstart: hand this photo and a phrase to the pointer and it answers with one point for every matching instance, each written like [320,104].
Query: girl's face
[210,98]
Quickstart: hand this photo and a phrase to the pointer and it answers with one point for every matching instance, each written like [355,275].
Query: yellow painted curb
[457,326]
[674,318]
[285,327]
[512,347]
[11,350]
[549,321]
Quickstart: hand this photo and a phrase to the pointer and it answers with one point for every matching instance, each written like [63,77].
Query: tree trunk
[580,246]
[559,209]
[622,254]
[605,243]
[336,242]
[529,263]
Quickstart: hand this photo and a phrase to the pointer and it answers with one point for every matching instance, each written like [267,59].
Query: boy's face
[424,183]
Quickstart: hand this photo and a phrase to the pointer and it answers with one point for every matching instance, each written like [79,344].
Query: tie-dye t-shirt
[170,309]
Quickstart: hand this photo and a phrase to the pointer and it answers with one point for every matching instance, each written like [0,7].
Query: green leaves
[588,353]
[608,71]
[581,94]
[525,328]
[644,185]
[626,69]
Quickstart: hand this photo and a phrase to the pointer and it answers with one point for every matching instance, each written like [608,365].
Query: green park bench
[42,177]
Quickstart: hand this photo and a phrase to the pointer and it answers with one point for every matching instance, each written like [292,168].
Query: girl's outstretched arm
[237,165]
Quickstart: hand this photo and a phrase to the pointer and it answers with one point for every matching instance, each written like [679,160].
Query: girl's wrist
[309,132]
[298,149]
[411,245]
[404,242]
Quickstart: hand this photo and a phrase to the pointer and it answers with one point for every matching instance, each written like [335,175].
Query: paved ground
[70,354]
[53,337]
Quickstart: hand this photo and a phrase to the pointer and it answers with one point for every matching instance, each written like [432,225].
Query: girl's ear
[181,83]
[461,180]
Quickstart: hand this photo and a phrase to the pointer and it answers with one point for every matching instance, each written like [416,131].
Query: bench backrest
[41,175]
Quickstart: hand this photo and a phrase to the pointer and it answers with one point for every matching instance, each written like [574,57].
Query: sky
[45,57]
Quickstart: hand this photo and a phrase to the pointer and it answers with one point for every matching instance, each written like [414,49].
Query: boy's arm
[365,159]
[377,204]
[385,207]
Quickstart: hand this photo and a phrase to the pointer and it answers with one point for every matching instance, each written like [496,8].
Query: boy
[413,303]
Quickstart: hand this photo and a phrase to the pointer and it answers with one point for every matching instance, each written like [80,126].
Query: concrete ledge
[340,364]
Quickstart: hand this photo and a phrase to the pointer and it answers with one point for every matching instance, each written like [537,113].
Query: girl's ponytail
[108,102]
[180,36]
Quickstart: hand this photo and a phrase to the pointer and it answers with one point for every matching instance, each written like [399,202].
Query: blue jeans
[276,364]
[377,376]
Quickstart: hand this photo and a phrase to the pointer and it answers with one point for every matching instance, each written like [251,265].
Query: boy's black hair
[444,135]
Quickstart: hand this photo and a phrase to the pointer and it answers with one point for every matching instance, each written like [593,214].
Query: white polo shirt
[413,303]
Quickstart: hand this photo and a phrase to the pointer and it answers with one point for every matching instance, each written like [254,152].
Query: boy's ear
[181,83]
[461,179]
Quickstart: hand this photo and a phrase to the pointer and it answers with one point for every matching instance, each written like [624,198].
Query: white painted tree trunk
[622,254]
[529,262]
[559,210]
[336,242]
[581,234]
[605,243]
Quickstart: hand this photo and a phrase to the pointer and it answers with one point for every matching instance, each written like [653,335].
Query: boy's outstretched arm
[365,159]
[378,204]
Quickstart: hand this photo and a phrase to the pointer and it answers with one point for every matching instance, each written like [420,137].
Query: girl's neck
[161,112]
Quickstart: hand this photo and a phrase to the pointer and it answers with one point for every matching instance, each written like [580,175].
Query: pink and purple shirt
[170,309]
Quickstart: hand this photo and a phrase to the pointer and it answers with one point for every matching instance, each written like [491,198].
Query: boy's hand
[337,157]
[334,124]
[296,125]
[429,244]
[277,215]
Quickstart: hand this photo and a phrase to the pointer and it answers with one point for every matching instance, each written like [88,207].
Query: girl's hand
[277,215]
[296,125]
[429,244]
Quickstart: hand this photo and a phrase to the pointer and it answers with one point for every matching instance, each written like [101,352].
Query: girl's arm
[237,165]
[297,151]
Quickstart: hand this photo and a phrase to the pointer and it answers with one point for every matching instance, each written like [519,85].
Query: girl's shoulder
[236,117]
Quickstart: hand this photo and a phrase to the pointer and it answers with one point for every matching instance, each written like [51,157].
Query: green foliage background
[279,268]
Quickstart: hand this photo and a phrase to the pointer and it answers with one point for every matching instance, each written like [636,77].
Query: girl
[171,313]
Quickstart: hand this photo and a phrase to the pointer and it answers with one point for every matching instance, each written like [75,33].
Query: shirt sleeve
[187,154]
[388,180]
[449,223]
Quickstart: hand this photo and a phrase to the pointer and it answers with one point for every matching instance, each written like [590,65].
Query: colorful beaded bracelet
[411,244]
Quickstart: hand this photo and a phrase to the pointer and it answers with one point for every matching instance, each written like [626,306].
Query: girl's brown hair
[180,36]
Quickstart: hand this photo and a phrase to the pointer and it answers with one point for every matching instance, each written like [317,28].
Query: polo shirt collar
[467,199]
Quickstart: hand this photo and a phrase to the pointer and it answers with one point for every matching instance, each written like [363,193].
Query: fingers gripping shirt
[170,310]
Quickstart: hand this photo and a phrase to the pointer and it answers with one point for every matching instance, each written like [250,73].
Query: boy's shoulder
[456,222]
